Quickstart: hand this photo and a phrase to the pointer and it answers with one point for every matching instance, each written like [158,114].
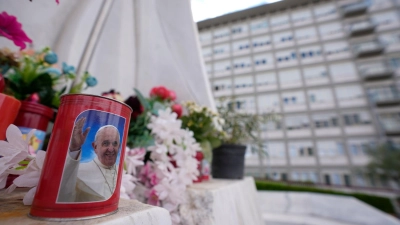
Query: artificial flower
[134,158]
[160,91]
[53,71]
[34,98]
[67,68]
[172,95]
[11,29]
[30,177]
[127,185]
[91,81]
[2,83]
[177,108]
[51,58]
[134,103]
[13,151]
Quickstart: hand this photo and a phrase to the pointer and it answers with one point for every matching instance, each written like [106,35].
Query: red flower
[33,98]
[172,95]
[176,108]
[160,92]
[11,29]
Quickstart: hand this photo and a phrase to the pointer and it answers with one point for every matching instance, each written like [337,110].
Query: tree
[385,161]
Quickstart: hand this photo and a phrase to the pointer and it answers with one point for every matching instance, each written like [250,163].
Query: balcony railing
[368,49]
[361,28]
[388,99]
[375,73]
[354,9]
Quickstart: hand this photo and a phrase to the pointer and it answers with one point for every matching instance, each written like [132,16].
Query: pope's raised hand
[78,135]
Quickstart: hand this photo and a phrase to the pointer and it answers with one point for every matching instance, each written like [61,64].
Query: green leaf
[207,149]
[145,103]
[214,142]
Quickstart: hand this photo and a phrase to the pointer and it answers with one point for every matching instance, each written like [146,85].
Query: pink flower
[11,29]
[152,198]
[58,2]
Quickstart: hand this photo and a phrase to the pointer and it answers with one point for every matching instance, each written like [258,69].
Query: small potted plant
[35,79]
[241,129]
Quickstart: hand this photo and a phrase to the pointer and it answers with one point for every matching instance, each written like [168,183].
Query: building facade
[329,69]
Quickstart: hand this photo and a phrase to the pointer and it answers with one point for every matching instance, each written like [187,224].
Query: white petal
[28,137]
[40,156]
[9,161]
[6,148]
[14,137]
[11,188]
[29,196]
[3,180]
[28,180]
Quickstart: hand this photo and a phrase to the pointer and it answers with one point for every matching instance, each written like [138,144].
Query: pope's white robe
[84,182]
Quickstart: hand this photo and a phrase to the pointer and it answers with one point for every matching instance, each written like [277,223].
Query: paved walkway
[298,208]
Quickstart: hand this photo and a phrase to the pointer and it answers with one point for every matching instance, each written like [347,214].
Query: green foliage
[378,202]
[206,126]
[30,74]
[384,161]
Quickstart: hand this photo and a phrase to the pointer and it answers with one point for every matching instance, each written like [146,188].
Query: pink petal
[58,2]
[29,196]
[11,160]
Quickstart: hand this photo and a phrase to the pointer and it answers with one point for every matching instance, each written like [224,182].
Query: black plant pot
[228,161]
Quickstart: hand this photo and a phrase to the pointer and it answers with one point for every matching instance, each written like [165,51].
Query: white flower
[133,159]
[12,152]
[127,186]
[30,177]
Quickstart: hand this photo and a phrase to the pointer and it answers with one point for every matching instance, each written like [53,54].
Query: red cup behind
[9,107]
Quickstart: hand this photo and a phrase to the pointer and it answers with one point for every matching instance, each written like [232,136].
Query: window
[299,16]
[388,93]
[349,92]
[325,120]
[336,48]
[275,125]
[221,32]
[293,98]
[356,118]
[329,29]
[222,66]
[359,147]
[390,121]
[220,49]
[283,37]
[390,39]
[265,79]
[305,33]
[205,36]
[259,24]
[285,56]
[289,77]
[324,10]
[243,82]
[206,52]
[240,63]
[330,148]
[268,102]
[336,179]
[263,59]
[239,28]
[276,149]
[222,85]
[297,122]
[340,71]
[315,72]
[320,96]
[243,104]
[310,52]
[241,45]
[385,18]
[279,20]
[261,41]
[208,68]
[300,149]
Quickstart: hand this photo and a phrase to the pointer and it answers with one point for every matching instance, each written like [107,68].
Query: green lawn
[378,202]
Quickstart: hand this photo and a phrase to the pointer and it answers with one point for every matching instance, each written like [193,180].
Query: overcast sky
[204,9]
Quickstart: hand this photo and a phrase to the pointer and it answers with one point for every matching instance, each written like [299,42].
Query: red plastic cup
[51,202]
[9,107]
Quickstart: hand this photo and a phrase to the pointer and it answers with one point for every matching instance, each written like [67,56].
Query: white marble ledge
[222,202]
[12,211]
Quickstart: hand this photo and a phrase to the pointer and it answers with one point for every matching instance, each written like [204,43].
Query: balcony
[354,9]
[362,28]
[368,49]
[388,99]
[376,73]
[391,125]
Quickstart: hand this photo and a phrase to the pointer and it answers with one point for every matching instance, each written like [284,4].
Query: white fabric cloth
[85,182]
[144,43]
[218,201]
